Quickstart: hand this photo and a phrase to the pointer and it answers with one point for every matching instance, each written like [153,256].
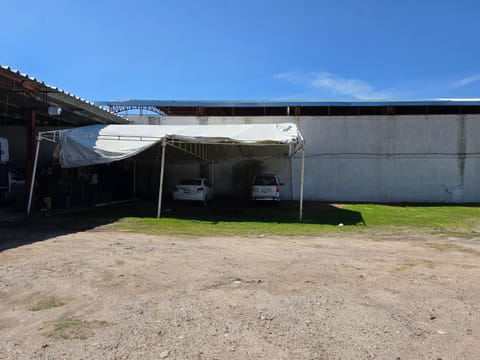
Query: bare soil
[101,294]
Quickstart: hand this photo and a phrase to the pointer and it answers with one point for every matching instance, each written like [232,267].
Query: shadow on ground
[244,211]
[48,225]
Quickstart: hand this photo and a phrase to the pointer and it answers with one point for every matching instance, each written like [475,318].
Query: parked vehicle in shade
[197,189]
[265,187]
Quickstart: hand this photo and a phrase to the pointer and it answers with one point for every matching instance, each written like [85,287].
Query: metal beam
[30,144]
[197,150]
[302,177]
[122,108]
[32,183]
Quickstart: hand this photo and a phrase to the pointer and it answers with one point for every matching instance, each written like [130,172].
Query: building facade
[426,153]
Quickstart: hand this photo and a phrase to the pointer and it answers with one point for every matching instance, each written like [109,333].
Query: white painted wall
[414,158]
[392,158]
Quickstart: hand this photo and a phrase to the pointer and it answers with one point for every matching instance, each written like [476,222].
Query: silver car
[197,189]
[265,187]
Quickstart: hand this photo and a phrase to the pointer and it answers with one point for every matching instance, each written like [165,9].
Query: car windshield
[195,182]
[265,180]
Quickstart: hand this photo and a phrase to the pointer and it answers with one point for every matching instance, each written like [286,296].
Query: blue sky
[245,49]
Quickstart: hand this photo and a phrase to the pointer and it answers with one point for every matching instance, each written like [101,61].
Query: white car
[197,189]
[265,187]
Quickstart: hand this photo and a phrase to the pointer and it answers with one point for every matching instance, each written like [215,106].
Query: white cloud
[292,77]
[324,81]
[466,81]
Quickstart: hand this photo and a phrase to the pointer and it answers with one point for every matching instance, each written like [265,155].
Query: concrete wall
[393,158]
[414,158]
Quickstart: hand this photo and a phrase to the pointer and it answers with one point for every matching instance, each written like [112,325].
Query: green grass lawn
[319,219]
[418,216]
[232,218]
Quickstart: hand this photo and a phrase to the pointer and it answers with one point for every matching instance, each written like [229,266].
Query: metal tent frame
[197,149]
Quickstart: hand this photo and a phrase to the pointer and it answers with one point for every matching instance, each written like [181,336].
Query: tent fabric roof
[99,144]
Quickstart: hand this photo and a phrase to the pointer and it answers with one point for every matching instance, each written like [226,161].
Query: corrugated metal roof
[62,97]
[275,103]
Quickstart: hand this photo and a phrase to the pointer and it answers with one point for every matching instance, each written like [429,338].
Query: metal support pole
[134,179]
[162,168]
[30,142]
[292,178]
[302,176]
[34,173]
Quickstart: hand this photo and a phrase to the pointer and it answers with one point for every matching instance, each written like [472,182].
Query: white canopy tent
[99,144]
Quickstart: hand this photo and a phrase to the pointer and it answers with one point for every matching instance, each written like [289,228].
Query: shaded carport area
[29,106]
[92,145]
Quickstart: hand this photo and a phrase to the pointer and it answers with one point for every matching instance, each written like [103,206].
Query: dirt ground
[100,294]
